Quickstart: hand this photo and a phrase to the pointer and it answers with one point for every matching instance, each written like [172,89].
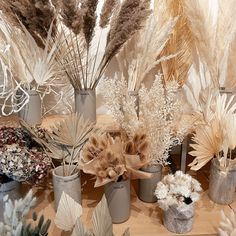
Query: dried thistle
[107,11]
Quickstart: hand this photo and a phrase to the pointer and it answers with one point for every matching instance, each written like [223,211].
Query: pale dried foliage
[112,159]
[142,53]
[159,111]
[227,226]
[212,39]
[180,41]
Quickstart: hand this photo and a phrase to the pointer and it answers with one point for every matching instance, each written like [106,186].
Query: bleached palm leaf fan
[142,53]
[227,226]
[68,212]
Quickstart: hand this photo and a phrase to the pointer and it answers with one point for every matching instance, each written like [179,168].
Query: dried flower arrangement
[65,140]
[159,110]
[101,219]
[227,226]
[83,67]
[115,159]
[15,222]
[21,158]
[177,190]
[215,137]
[142,53]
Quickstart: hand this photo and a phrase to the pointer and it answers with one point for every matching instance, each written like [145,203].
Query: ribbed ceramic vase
[136,100]
[118,200]
[71,185]
[85,104]
[147,186]
[12,189]
[221,184]
[32,111]
[179,220]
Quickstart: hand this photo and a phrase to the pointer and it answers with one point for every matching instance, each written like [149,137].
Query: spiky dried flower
[107,10]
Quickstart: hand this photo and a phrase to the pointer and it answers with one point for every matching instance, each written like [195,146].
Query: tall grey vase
[177,220]
[221,184]
[118,199]
[71,185]
[147,186]
[31,113]
[12,189]
[85,104]
[136,100]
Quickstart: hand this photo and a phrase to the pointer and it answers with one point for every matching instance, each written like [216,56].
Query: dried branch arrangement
[159,111]
[101,219]
[142,53]
[215,137]
[84,34]
[65,140]
[114,159]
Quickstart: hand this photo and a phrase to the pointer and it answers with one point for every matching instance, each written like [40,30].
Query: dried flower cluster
[227,225]
[21,158]
[113,159]
[215,137]
[177,190]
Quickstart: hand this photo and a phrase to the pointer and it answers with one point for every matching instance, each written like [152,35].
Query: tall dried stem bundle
[180,41]
[140,55]
[35,15]
[83,56]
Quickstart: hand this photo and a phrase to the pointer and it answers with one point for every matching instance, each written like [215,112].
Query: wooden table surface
[145,218]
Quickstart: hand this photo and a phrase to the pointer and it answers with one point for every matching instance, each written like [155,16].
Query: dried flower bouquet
[177,190]
[114,159]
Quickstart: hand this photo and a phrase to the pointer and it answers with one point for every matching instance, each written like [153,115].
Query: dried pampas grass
[107,10]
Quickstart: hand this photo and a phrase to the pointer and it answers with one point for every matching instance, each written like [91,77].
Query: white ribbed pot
[221,184]
[85,104]
[71,184]
[147,187]
[31,113]
[136,100]
[12,189]
[118,200]
[179,220]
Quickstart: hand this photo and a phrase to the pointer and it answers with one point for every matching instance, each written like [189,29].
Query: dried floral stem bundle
[112,159]
[83,55]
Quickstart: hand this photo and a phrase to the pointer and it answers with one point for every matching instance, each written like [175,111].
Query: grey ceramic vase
[118,200]
[221,184]
[12,189]
[85,104]
[147,186]
[177,220]
[71,185]
[136,100]
[32,111]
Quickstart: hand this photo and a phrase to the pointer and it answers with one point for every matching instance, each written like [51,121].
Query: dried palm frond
[37,16]
[180,41]
[227,226]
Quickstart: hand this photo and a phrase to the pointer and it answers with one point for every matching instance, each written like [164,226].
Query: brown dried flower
[106,13]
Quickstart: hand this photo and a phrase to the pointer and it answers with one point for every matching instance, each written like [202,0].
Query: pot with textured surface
[221,184]
[71,184]
[118,199]
[179,220]
[147,186]
[85,104]
[31,113]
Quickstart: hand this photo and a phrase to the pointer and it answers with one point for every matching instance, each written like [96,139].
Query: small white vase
[71,184]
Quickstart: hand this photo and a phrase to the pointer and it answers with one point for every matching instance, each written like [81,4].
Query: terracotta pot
[179,220]
[32,111]
[85,104]
[147,187]
[118,200]
[221,184]
[71,184]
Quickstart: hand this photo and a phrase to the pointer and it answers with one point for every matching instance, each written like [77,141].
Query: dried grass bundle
[35,15]
[107,11]
[111,159]
[180,41]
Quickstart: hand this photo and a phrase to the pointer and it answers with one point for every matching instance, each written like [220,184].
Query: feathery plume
[106,13]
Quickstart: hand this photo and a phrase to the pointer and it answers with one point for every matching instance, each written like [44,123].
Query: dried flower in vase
[177,190]
[113,159]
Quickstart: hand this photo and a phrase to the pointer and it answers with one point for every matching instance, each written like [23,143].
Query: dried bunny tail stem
[89,18]
[107,10]
[72,15]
